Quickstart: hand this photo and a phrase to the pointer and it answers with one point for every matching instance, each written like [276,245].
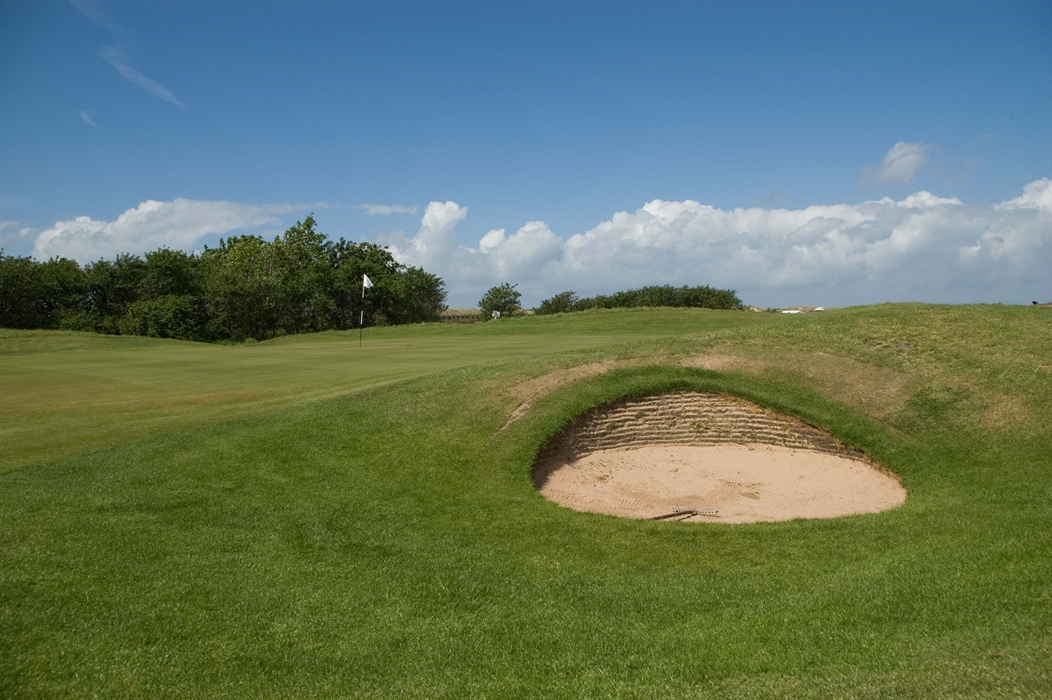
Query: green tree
[170,273]
[170,316]
[399,294]
[504,299]
[561,303]
[38,295]
[170,302]
[305,302]
[110,287]
[242,281]
[421,296]
[666,295]
[350,261]
[246,287]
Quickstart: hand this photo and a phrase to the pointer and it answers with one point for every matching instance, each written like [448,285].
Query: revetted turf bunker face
[708,457]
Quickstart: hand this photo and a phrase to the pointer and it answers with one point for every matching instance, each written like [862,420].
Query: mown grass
[64,393]
[387,542]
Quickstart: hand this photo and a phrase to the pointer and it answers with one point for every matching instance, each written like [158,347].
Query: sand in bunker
[743,483]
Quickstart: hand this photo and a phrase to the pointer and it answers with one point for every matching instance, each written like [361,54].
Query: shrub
[561,303]
[179,317]
[504,299]
[702,297]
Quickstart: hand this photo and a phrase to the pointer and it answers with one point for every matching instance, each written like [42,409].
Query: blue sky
[546,120]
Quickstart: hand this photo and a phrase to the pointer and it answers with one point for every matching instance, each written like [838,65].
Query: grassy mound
[306,518]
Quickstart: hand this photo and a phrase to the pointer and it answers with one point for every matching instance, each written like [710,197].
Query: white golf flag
[366,282]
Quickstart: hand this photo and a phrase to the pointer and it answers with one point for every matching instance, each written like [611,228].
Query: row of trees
[505,299]
[703,297]
[247,287]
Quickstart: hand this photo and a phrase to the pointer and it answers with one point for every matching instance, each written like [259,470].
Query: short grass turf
[379,536]
[64,393]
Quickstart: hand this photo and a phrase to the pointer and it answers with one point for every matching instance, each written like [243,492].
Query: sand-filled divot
[726,458]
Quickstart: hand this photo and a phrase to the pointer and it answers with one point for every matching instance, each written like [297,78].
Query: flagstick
[361,319]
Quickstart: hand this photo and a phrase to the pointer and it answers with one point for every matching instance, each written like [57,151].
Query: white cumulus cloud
[922,247]
[900,165]
[180,224]
[1036,195]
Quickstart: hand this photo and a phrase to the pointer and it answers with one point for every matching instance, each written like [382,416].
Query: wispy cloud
[775,196]
[96,15]
[20,232]
[901,164]
[385,209]
[86,116]
[119,60]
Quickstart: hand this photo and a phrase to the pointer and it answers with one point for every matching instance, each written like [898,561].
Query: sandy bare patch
[874,390]
[530,391]
[1005,411]
[724,458]
[877,391]
[719,362]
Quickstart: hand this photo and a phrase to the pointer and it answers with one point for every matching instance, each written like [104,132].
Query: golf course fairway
[305,517]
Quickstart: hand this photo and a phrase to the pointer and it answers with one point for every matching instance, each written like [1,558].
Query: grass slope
[387,542]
